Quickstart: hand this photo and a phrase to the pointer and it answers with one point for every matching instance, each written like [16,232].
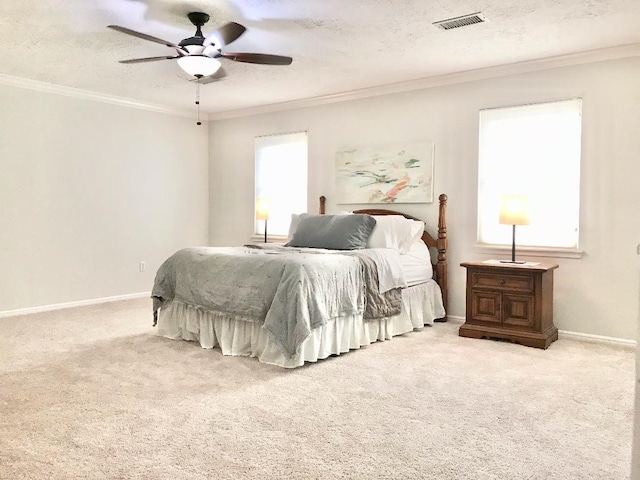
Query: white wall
[87,191]
[596,294]
[635,453]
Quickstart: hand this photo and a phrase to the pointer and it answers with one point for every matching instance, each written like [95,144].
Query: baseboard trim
[588,337]
[565,334]
[81,303]
[455,319]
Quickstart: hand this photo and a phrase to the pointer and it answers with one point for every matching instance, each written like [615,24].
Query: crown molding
[44,87]
[613,53]
[592,56]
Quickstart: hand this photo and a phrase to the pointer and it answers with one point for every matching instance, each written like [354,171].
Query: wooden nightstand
[510,301]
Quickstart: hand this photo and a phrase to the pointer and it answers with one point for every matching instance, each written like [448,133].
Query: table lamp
[262,213]
[514,210]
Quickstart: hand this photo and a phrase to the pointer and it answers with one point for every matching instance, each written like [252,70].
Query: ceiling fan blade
[219,75]
[261,58]
[148,59]
[144,36]
[224,35]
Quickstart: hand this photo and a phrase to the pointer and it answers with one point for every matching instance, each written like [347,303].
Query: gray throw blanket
[291,291]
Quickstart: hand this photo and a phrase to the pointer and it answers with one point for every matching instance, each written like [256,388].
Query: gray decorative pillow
[333,232]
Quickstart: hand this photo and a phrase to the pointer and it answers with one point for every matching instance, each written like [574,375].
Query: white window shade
[281,178]
[532,150]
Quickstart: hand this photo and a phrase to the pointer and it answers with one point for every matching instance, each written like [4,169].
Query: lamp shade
[514,210]
[199,65]
[262,209]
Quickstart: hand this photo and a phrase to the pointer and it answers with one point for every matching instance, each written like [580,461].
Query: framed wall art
[400,172]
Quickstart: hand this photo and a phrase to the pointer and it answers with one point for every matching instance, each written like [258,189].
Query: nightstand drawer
[512,283]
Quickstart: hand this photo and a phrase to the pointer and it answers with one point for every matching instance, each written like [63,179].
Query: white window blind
[281,179]
[532,150]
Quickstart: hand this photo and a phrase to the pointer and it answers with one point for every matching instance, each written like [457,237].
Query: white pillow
[395,231]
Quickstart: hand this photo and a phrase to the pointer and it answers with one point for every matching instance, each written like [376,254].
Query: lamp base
[520,262]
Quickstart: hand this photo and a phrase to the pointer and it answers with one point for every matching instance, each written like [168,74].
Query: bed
[296,303]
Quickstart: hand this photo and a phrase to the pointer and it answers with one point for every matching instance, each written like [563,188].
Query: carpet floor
[93,393]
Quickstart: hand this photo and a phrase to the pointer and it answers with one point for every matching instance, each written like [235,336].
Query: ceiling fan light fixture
[199,65]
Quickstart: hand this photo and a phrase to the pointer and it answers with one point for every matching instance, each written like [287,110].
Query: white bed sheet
[421,305]
[416,264]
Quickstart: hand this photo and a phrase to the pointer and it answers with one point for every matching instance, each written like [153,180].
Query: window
[533,150]
[281,179]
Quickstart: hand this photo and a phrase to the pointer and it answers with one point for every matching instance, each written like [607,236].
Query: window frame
[262,142]
[530,250]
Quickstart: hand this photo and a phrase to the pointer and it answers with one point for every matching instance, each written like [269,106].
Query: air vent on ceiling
[463,21]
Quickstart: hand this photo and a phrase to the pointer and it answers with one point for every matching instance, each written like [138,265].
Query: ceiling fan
[198,55]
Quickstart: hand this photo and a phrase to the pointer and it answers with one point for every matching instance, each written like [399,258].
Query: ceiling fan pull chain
[198,99]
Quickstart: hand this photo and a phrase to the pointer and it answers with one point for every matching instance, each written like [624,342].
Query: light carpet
[93,393]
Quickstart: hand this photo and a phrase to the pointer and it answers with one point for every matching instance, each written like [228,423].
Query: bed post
[323,200]
[441,245]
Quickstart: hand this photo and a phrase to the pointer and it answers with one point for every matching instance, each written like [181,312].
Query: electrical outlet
[142,266]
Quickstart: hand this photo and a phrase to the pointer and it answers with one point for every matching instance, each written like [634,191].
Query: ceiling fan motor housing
[198,19]
[195,40]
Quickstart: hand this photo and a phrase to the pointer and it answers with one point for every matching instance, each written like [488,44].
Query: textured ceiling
[337,45]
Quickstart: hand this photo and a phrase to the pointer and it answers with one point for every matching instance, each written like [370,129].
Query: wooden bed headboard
[438,242]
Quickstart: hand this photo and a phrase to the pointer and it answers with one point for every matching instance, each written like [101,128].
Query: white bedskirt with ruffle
[421,305]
